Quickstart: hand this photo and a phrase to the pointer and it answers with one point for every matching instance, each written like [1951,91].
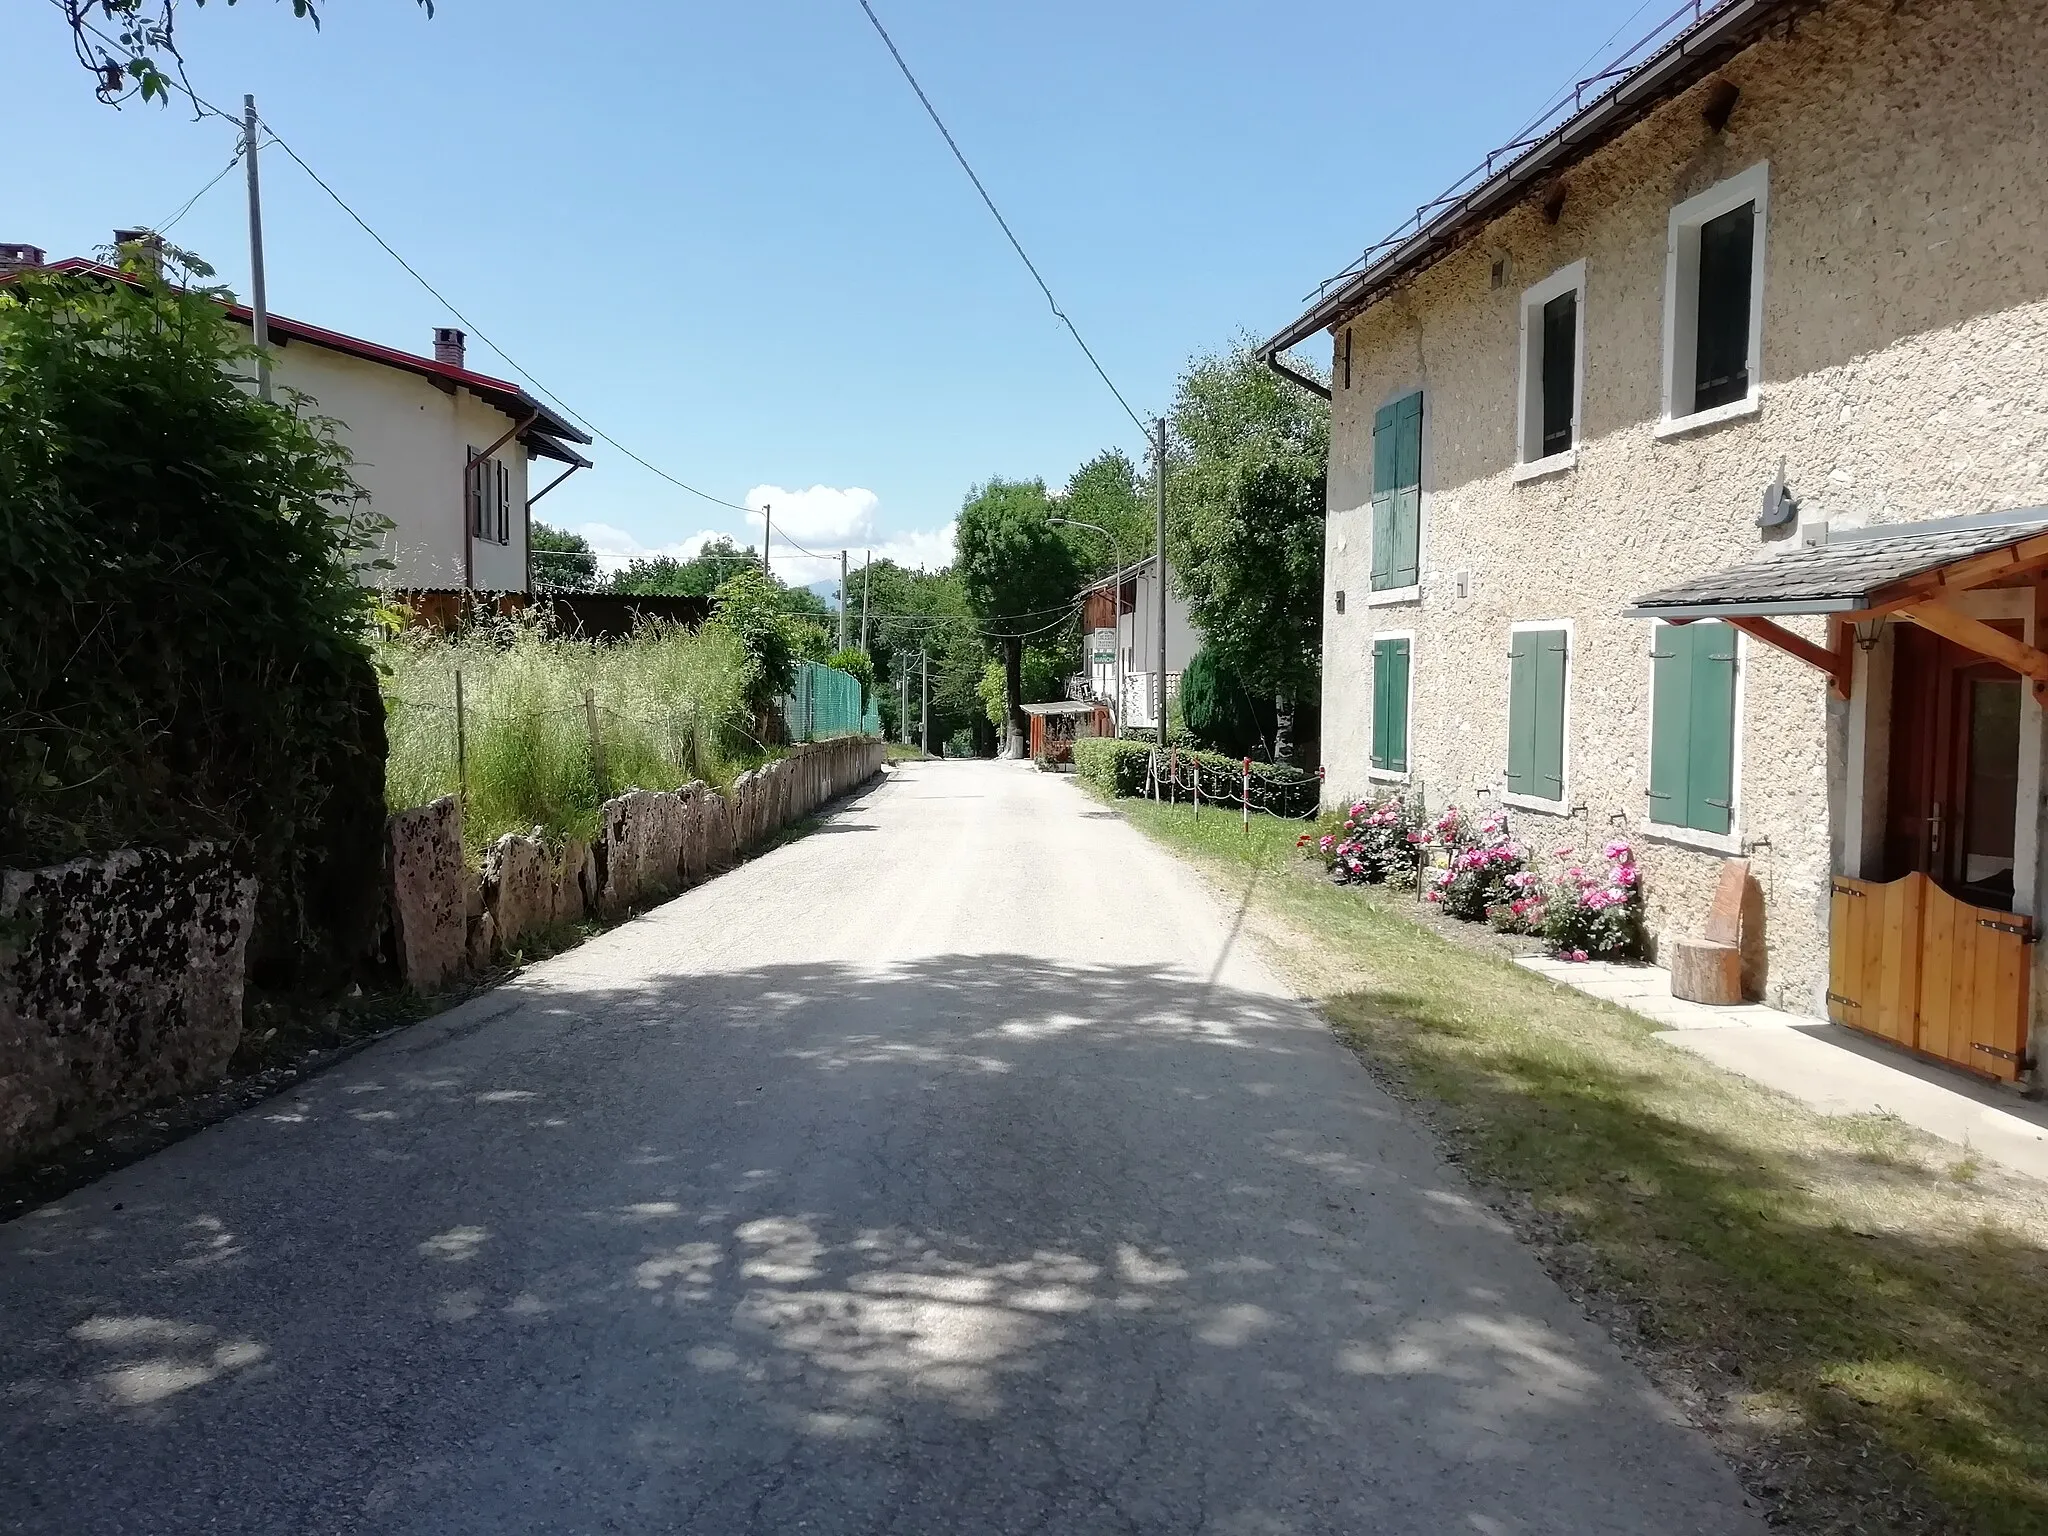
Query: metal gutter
[1789,607]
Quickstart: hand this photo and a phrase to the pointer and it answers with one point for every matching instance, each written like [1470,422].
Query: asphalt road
[955,1169]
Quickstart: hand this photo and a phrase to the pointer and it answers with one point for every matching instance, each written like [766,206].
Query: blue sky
[729,236]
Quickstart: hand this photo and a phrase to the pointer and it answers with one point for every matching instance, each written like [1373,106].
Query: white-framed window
[1539,714]
[1553,369]
[490,498]
[1393,687]
[1714,302]
[1397,501]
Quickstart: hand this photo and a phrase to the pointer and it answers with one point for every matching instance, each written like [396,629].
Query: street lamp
[1116,608]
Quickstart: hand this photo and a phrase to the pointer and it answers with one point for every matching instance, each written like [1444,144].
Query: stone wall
[650,844]
[120,983]
[1905,313]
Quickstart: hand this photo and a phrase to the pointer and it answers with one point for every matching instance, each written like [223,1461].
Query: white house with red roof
[443,451]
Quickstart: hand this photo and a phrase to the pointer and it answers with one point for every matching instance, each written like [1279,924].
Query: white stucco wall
[1905,324]
[411,440]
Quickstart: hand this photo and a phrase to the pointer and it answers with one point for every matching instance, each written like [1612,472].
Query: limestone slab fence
[650,844]
[121,975]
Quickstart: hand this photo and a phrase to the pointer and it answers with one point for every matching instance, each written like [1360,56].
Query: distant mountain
[827,592]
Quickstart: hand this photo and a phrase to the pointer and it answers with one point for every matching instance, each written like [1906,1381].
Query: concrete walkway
[956,1169]
[1836,1070]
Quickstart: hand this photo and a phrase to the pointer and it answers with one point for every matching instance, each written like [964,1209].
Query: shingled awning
[1853,572]
[1897,571]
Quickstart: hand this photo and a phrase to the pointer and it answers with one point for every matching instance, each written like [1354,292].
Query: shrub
[185,653]
[1593,910]
[1484,860]
[750,609]
[1116,768]
[1217,709]
[1376,844]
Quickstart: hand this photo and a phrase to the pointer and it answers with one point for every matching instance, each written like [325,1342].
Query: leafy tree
[1107,491]
[1041,673]
[1246,494]
[562,561]
[698,576]
[750,607]
[1018,573]
[808,638]
[855,663]
[185,653]
[132,53]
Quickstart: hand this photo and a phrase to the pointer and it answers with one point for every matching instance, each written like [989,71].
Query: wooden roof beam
[1837,661]
[1975,635]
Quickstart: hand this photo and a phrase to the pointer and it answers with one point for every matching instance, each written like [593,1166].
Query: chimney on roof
[449,346]
[18,258]
[145,245]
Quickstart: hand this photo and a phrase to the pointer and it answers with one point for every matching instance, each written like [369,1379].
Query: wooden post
[461,748]
[596,739]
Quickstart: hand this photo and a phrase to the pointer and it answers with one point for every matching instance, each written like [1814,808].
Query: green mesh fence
[825,703]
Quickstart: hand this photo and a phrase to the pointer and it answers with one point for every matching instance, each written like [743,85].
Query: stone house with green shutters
[1647,443]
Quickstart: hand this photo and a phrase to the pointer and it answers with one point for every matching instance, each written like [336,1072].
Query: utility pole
[767,527]
[259,300]
[866,570]
[903,707]
[842,599]
[924,708]
[1159,526]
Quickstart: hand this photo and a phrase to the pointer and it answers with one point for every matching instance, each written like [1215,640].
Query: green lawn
[1865,1308]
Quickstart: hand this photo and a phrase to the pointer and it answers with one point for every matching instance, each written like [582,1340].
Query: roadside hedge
[1118,768]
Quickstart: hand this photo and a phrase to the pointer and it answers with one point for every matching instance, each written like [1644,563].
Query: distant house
[1120,616]
[442,450]
[1689,481]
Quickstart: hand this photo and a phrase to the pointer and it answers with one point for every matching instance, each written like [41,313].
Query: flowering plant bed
[1592,909]
[1378,844]
[1484,860]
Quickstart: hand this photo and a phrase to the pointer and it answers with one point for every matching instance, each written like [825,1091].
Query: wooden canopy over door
[1932,956]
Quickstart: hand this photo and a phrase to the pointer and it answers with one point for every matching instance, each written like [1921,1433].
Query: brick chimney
[149,242]
[17,258]
[449,346]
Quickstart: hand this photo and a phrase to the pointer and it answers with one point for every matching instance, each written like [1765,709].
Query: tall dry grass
[670,706]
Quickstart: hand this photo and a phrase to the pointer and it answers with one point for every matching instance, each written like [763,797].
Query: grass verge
[1855,1311]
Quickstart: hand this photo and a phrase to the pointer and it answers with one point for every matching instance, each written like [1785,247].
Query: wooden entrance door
[1955,760]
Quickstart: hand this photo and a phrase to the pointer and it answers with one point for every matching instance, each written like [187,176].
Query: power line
[191,202]
[478,331]
[1015,244]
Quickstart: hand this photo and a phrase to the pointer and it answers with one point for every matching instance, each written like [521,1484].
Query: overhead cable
[1010,234]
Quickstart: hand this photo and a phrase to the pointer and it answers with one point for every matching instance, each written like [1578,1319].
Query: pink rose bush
[1484,862]
[1592,908]
[1376,846]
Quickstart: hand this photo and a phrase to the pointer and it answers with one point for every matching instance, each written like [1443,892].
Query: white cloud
[824,514]
[617,548]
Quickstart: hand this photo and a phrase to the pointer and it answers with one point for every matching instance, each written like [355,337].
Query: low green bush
[1119,767]
[1114,767]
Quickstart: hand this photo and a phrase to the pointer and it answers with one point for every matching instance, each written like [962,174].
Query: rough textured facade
[1905,319]
[120,983]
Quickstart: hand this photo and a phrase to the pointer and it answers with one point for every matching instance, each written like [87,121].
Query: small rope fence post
[461,748]
[1247,797]
[1198,787]
[596,737]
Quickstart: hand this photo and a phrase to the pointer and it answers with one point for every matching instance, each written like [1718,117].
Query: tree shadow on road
[975,1242]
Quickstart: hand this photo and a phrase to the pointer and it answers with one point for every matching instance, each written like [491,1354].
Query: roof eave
[1784,608]
[1673,69]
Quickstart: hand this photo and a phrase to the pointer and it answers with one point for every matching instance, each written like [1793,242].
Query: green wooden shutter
[1710,755]
[1670,720]
[1552,648]
[1407,513]
[1384,457]
[1522,713]
[1390,705]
